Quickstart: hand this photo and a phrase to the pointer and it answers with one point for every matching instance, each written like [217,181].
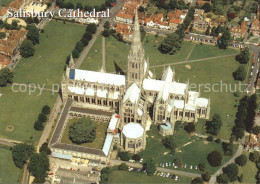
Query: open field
[101,129]
[117,176]
[21,110]
[9,172]
[87,2]
[47,64]
[190,150]
[5,2]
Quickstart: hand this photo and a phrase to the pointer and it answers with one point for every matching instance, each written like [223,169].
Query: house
[202,2]
[124,17]
[255,27]
[200,23]
[12,40]
[3,13]
[125,30]
[238,31]
[16,5]
[175,18]
[4,61]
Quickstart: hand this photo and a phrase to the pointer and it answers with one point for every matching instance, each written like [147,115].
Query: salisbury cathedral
[137,100]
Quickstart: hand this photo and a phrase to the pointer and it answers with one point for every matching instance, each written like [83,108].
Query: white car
[166,164]
[191,167]
[161,174]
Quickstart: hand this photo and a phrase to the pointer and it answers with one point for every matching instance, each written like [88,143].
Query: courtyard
[98,142]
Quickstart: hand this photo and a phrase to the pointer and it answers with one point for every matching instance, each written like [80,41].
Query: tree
[197,180]
[79,46]
[38,166]
[122,166]
[75,53]
[6,76]
[169,143]
[240,73]
[232,171]
[256,130]
[201,166]
[206,176]
[87,36]
[136,157]
[33,34]
[92,28]
[69,5]
[215,158]
[38,125]
[150,167]
[254,156]
[251,112]
[241,160]
[27,49]
[79,6]
[42,118]
[105,33]
[84,41]
[240,178]
[46,109]
[213,127]
[190,127]
[206,7]
[2,35]
[170,44]
[84,130]
[45,149]
[210,138]
[222,178]
[124,156]
[224,40]
[21,153]
[107,25]
[228,148]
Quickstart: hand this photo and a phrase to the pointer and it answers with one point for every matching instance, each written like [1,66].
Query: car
[252,66]
[176,167]
[139,170]
[141,160]
[251,73]
[253,61]
[170,164]
[161,174]
[162,165]
[191,167]
[173,164]
[158,174]
[166,164]
[185,165]
[168,174]
[164,175]
[176,178]
[131,160]
[196,167]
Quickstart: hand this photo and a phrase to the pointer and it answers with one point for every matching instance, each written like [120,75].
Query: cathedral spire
[71,63]
[136,40]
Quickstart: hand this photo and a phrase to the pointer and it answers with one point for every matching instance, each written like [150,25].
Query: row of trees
[245,117]
[6,77]
[90,30]
[38,162]
[172,43]
[70,5]
[27,47]
[242,58]
[42,118]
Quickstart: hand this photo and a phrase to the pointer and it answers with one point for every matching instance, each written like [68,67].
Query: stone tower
[136,59]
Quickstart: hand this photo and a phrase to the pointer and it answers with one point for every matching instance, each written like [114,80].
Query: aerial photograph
[129,91]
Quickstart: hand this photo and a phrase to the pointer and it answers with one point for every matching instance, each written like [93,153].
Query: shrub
[215,158]
[136,157]
[122,167]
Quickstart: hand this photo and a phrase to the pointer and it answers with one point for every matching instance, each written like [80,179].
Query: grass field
[190,150]
[98,142]
[9,172]
[248,171]
[117,176]
[87,2]
[47,64]
[5,2]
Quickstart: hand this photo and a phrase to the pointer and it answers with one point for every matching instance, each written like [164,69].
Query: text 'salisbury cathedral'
[133,102]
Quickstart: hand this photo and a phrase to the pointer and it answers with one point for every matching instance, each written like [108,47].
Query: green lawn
[21,110]
[190,150]
[9,172]
[206,51]
[98,142]
[87,2]
[248,171]
[5,2]
[117,176]
[47,64]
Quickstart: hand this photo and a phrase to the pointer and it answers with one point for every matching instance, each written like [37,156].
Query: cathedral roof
[168,75]
[99,77]
[132,94]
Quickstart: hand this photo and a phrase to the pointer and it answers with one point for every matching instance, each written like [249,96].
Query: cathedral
[133,102]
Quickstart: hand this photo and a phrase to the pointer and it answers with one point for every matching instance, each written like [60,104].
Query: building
[3,13]
[255,27]
[175,18]
[239,31]
[125,101]
[4,61]
[125,30]
[200,23]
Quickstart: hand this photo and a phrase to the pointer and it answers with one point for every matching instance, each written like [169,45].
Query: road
[213,178]
[165,170]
